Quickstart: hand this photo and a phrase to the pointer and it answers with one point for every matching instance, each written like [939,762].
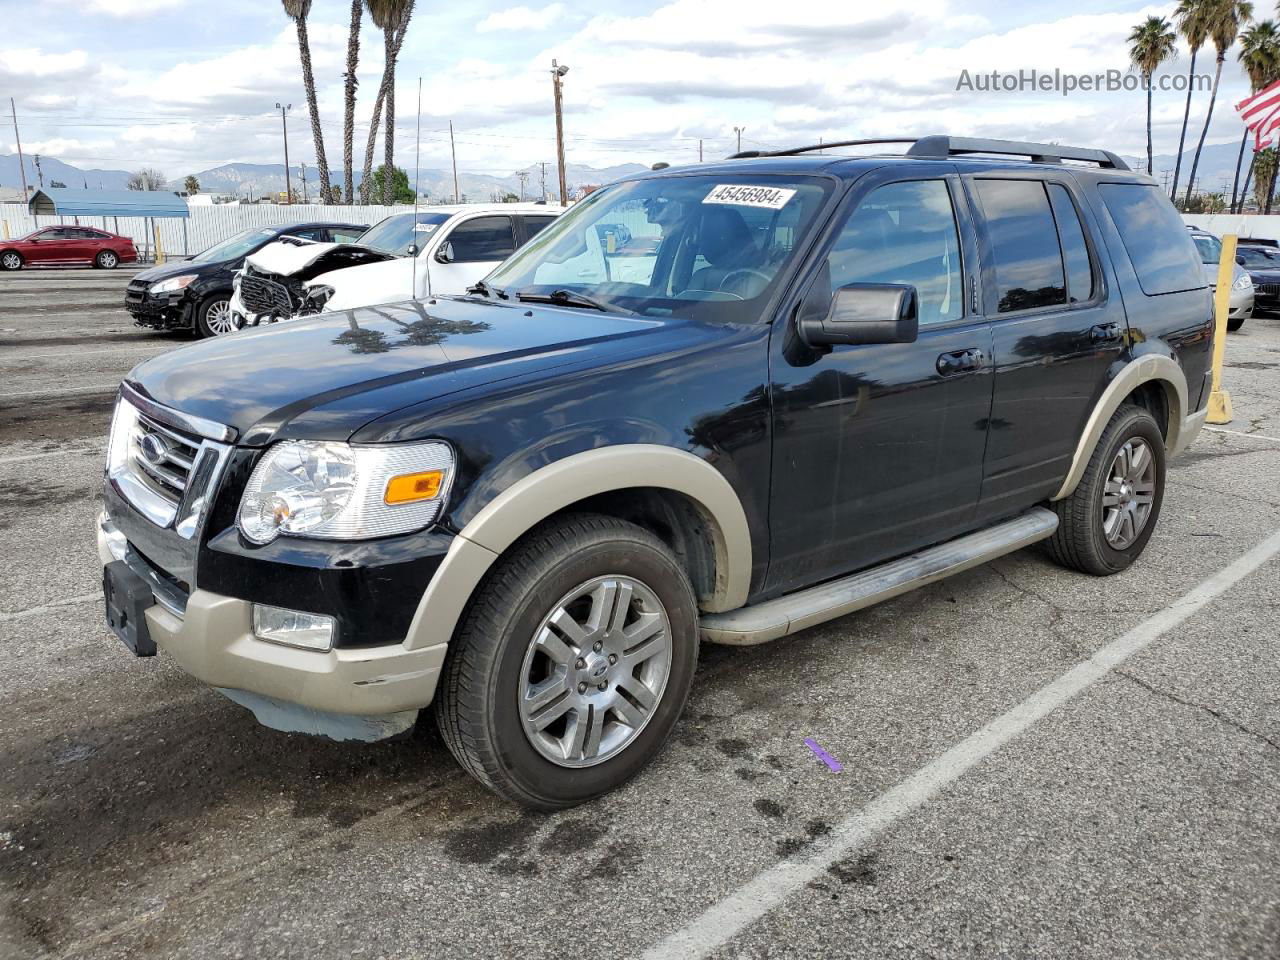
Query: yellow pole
[1219,399]
[6,229]
[160,249]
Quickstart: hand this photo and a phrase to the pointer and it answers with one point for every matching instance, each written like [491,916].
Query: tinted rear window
[1159,248]
[1025,241]
[1075,252]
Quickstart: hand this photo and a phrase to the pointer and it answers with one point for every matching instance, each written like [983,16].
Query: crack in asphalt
[1216,714]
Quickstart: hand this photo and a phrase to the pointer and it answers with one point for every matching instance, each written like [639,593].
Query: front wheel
[214,317]
[11,260]
[572,664]
[106,260]
[1105,524]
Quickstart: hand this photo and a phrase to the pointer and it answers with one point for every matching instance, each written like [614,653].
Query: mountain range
[1217,164]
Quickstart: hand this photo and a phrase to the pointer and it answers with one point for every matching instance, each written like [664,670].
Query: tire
[496,658]
[1236,324]
[213,316]
[106,260]
[11,260]
[1083,540]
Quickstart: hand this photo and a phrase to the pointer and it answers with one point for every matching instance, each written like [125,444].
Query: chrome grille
[261,295]
[162,458]
[1268,289]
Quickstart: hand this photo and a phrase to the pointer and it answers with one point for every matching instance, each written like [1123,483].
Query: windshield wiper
[485,290]
[570,298]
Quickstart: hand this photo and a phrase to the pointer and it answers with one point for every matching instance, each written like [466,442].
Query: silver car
[1241,308]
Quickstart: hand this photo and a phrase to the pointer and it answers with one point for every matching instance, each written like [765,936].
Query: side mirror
[1240,260]
[444,253]
[411,250]
[864,313]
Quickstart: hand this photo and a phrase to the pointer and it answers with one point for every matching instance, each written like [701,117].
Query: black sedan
[195,294]
[1263,266]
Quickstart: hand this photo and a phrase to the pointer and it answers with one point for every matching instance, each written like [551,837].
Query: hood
[168,270]
[373,282]
[324,377]
[1211,273]
[290,257]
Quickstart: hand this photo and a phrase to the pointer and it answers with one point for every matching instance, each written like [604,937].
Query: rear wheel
[11,260]
[1105,524]
[106,260]
[214,317]
[572,663]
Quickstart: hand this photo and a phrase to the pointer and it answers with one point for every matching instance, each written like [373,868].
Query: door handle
[960,361]
[1104,332]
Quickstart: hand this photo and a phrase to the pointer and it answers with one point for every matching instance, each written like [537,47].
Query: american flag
[1261,114]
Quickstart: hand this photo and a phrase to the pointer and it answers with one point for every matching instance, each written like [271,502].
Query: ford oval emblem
[154,449]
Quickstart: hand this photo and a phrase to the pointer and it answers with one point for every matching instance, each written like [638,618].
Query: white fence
[1242,225]
[205,227]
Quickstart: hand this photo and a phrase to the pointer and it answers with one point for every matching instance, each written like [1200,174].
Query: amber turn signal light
[412,487]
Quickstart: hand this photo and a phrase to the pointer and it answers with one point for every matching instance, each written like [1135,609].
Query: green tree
[392,18]
[1150,44]
[1191,16]
[1223,22]
[191,184]
[1260,56]
[1264,169]
[297,11]
[398,191]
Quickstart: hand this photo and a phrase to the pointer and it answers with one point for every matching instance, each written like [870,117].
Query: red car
[66,244]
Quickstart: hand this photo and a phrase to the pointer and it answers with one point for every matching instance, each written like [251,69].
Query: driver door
[878,448]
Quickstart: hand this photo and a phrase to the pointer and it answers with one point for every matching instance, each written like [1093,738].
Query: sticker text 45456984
[745,195]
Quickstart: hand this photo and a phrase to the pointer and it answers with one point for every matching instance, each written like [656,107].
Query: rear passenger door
[1055,329]
[533,225]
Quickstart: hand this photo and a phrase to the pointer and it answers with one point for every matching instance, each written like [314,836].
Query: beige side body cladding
[559,485]
[1182,427]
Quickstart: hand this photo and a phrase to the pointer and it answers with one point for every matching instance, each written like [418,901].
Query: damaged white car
[435,252]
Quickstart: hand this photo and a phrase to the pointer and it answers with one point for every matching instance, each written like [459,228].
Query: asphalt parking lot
[997,799]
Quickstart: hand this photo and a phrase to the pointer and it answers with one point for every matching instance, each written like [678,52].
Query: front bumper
[1241,304]
[213,640]
[163,312]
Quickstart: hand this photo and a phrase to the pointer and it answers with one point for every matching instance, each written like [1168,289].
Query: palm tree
[1223,20]
[1260,55]
[297,11]
[1190,16]
[349,91]
[1150,44]
[392,18]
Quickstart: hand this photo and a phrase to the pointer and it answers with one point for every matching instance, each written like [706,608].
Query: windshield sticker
[425,227]
[772,198]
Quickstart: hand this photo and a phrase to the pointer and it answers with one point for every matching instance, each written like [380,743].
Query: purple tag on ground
[822,755]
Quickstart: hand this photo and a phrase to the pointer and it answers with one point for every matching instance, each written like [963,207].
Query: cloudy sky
[184,86]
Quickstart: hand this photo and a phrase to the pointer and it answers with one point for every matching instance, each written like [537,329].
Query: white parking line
[97,445]
[36,394]
[49,607]
[1241,433]
[734,913]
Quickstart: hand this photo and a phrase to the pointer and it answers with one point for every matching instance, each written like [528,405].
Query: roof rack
[943,147]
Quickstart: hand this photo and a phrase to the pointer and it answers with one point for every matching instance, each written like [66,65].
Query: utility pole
[544,180]
[523,175]
[304,182]
[284,127]
[39,172]
[18,140]
[557,75]
[454,150]
[738,131]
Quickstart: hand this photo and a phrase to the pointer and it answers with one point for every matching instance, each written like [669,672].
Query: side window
[57,233]
[535,225]
[1075,251]
[311,233]
[1162,254]
[904,233]
[344,234]
[1028,260]
[484,238]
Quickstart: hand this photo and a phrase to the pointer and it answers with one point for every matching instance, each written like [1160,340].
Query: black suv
[195,294]
[806,384]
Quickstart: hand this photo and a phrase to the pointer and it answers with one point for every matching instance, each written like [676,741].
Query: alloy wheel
[1129,493]
[108,260]
[218,318]
[12,261]
[595,671]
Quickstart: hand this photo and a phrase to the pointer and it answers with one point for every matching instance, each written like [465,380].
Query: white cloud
[521,18]
[131,9]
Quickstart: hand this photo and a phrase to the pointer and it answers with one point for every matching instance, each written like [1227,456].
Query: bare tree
[392,17]
[297,11]
[148,178]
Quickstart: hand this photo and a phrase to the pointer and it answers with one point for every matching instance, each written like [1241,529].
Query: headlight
[336,491]
[173,283]
[314,298]
[235,280]
[1243,283]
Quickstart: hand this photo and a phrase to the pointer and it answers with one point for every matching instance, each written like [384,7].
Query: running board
[806,608]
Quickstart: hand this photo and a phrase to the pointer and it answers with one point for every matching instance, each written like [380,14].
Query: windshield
[1257,257]
[394,234]
[673,245]
[246,241]
[1210,248]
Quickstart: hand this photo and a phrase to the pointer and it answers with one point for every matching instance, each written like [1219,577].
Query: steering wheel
[744,271]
